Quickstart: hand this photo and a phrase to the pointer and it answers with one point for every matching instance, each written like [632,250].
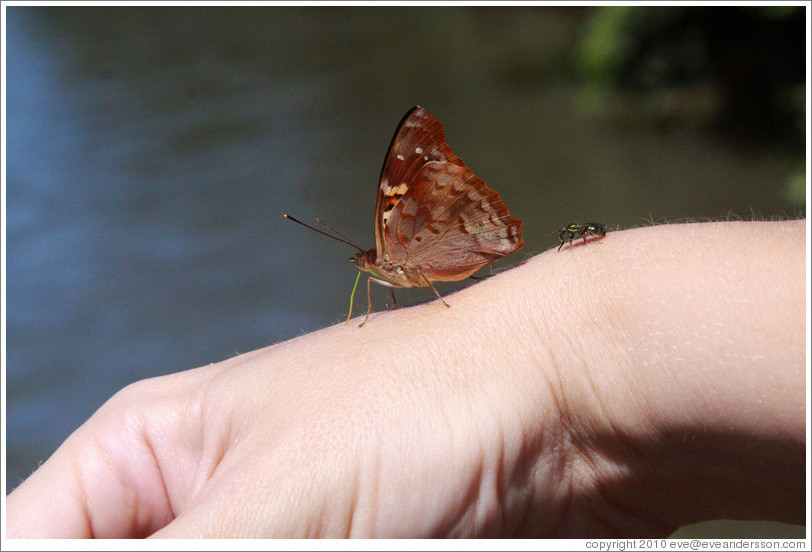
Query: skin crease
[619,389]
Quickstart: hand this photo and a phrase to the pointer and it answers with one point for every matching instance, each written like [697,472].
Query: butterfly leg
[369,294]
[369,302]
[394,301]
[440,297]
[437,293]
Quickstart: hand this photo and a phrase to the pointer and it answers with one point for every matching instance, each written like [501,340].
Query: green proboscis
[352,297]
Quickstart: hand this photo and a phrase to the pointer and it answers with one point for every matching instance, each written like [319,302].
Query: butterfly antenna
[334,231]
[342,237]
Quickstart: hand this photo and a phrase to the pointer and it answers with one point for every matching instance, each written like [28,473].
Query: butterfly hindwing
[450,223]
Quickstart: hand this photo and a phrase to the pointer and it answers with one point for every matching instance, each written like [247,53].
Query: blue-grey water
[152,151]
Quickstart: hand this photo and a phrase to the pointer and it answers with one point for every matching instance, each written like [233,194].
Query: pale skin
[619,389]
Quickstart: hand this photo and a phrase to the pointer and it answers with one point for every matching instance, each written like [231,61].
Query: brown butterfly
[435,220]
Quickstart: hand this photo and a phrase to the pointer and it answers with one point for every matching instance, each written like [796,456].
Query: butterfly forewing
[418,140]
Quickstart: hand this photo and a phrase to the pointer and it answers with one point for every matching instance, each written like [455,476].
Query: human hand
[620,389]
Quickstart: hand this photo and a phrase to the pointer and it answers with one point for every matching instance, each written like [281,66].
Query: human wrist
[686,339]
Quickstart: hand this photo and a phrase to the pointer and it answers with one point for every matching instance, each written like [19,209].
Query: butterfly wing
[418,140]
[450,224]
[433,211]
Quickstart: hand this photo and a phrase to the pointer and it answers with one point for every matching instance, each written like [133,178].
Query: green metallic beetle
[580,230]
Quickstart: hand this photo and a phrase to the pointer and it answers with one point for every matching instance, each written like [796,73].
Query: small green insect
[580,230]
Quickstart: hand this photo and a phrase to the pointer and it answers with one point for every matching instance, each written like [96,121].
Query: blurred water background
[152,151]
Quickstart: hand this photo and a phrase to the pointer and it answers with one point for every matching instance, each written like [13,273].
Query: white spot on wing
[400,157]
[418,151]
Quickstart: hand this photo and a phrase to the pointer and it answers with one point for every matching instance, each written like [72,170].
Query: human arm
[620,389]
